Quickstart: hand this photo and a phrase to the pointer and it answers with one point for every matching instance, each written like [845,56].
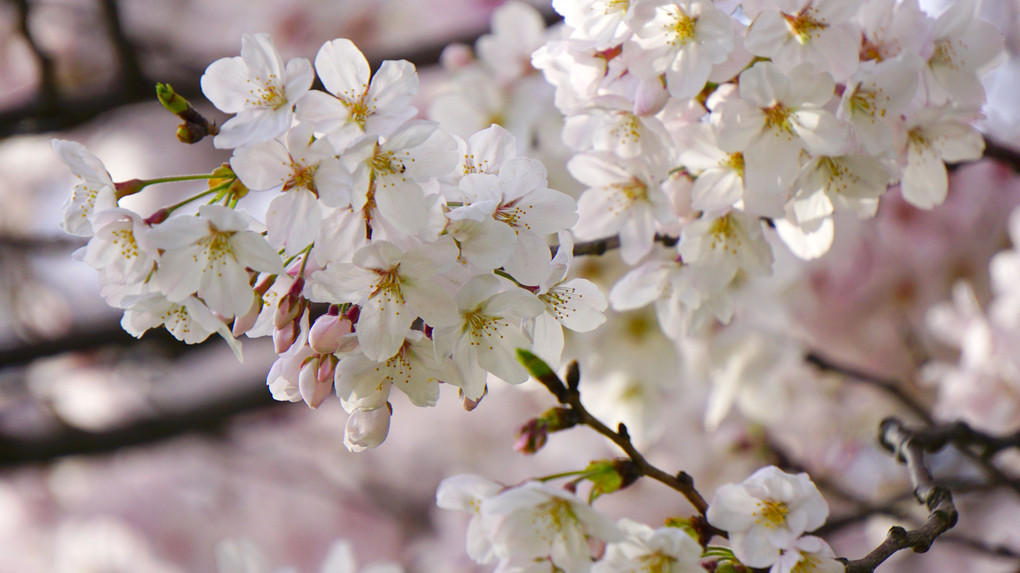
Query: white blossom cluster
[430,251]
[538,527]
[700,120]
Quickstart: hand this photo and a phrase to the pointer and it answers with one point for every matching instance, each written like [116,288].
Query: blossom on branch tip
[94,192]
[767,513]
[258,88]
[358,106]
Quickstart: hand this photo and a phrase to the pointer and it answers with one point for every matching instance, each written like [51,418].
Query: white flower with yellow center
[808,31]
[209,254]
[539,520]
[93,193]
[682,39]
[767,513]
[808,554]
[393,288]
[466,493]
[647,550]
[357,105]
[488,334]
[258,88]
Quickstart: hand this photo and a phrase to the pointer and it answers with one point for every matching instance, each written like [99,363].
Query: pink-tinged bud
[243,323]
[311,384]
[650,97]
[157,217]
[291,305]
[531,436]
[353,313]
[367,428]
[130,187]
[326,336]
[283,338]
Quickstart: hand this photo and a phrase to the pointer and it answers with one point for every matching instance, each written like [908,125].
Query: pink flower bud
[312,384]
[291,306]
[531,436]
[367,428]
[283,338]
[327,333]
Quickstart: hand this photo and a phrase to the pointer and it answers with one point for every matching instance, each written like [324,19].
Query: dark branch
[569,395]
[890,387]
[207,417]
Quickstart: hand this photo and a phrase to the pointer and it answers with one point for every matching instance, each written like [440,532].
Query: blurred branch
[1002,153]
[59,244]
[890,387]
[72,112]
[47,99]
[209,416]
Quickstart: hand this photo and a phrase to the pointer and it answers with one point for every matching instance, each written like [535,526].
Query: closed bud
[329,333]
[367,428]
[531,436]
[315,380]
[283,338]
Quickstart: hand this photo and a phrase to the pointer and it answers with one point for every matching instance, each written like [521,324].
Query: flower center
[777,117]
[682,27]
[803,25]
[771,513]
[734,161]
[303,177]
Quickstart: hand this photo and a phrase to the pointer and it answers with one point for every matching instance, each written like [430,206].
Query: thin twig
[888,386]
[570,395]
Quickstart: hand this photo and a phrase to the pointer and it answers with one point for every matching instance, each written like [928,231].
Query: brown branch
[942,516]
[47,97]
[886,385]
[600,247]
[1002,153]
[570,395]
[206,417]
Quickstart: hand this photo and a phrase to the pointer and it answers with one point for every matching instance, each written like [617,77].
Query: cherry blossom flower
[358,106]
[363,383]
[93,193]
[208,254]
[577,304]
[808,554]
[773,121]
[624,197]
[307,170]
[537,520]
[517,199]
[467,493]
[606,23]
[393,288]
[387,174]
[767,513]
[120,249]
[258,88]
[682,39]
[807,31]
[964,46]
[488,334]
[664,550]
[188,320]
[930,137]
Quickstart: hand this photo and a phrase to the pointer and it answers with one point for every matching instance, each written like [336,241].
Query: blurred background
[125,455]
